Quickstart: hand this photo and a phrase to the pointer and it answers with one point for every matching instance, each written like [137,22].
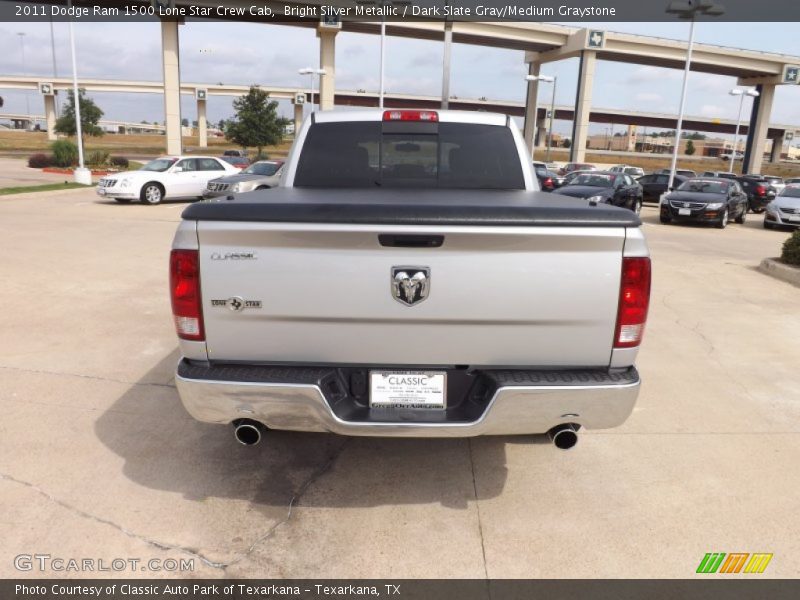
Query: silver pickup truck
[408,279]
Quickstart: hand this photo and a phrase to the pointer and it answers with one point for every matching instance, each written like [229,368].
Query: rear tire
[723,220]
[152,193]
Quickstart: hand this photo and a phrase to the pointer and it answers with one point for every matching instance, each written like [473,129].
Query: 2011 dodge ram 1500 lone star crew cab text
[408,279]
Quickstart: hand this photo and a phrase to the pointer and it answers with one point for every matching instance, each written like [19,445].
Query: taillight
[634,300]
[761,190]
[548,182]
[184,287]
[411,115]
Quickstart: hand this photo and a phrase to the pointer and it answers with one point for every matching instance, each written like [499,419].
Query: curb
[55,171]
[775,268]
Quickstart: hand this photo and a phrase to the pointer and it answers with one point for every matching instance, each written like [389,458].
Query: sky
[247,53]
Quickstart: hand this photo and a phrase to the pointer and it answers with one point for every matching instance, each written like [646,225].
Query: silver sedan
[784,210]
[258,176]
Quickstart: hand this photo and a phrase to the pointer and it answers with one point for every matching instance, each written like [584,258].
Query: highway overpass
[775,132]
[542,43]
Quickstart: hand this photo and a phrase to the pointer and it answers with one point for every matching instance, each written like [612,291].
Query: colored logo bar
[735,562]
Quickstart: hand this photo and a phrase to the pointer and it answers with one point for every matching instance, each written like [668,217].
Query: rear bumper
[759,202]
[499,402]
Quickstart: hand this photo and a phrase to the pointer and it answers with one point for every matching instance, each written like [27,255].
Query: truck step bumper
[498,402]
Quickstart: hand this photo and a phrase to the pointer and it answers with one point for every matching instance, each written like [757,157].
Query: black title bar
[333,12]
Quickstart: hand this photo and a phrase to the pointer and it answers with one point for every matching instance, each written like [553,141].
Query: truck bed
[401,206]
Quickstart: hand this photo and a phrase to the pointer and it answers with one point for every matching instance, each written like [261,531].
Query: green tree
[690,149]
[256,123]
[90,116]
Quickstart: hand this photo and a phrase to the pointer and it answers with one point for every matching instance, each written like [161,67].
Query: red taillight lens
[184,286]
[634,300]
[761,190]
[411,115]
[548,182]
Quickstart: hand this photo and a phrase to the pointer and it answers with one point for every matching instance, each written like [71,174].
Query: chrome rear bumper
[519,402]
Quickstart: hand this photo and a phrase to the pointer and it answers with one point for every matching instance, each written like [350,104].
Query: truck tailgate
[511,295]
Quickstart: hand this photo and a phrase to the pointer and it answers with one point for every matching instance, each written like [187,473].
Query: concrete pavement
[15,173]
[99,460]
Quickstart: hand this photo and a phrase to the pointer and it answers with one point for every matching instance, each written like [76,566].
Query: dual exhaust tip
[249,433]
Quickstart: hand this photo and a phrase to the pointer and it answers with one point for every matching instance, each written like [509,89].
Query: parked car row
[716,200]
[166,177]
[715,197]
[187,177]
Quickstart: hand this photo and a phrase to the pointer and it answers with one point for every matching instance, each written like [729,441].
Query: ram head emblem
[410,285]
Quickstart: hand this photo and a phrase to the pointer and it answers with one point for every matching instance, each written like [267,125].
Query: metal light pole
[688,9]
[383,60]
[386,6]
[82,174]
[741,93]
[448,43]
[312,72]
[53,52]
[544,79]
[24,72]
[552,117]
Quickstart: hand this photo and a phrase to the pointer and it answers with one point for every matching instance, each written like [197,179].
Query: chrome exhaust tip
[248,433]
[564,436]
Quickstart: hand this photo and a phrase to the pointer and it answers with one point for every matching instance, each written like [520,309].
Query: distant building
[630,141]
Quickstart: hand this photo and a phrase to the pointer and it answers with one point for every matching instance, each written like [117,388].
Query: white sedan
[169,177]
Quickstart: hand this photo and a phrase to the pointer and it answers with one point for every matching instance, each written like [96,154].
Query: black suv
[759,191]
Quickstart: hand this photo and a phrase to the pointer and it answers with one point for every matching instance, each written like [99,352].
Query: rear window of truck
[423,155]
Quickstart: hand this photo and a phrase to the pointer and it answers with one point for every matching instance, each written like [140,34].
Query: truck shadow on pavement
[165,449]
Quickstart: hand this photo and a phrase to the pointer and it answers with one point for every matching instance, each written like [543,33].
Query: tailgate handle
[411,240]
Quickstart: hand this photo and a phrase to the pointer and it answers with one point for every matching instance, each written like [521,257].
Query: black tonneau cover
[410,206]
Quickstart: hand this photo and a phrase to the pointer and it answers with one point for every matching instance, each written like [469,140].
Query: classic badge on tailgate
[410,285]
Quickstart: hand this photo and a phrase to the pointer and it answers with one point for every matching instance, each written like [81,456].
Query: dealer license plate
[684,211]
[408,389]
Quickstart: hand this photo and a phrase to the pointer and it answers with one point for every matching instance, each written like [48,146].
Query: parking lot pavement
[14,172]
[99,460]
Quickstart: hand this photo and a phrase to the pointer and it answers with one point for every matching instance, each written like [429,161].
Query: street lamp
[312,72]
[24,72]
[543,79]
[688,9]
[53,53]
[81,174]
[741,93]
[552,118]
